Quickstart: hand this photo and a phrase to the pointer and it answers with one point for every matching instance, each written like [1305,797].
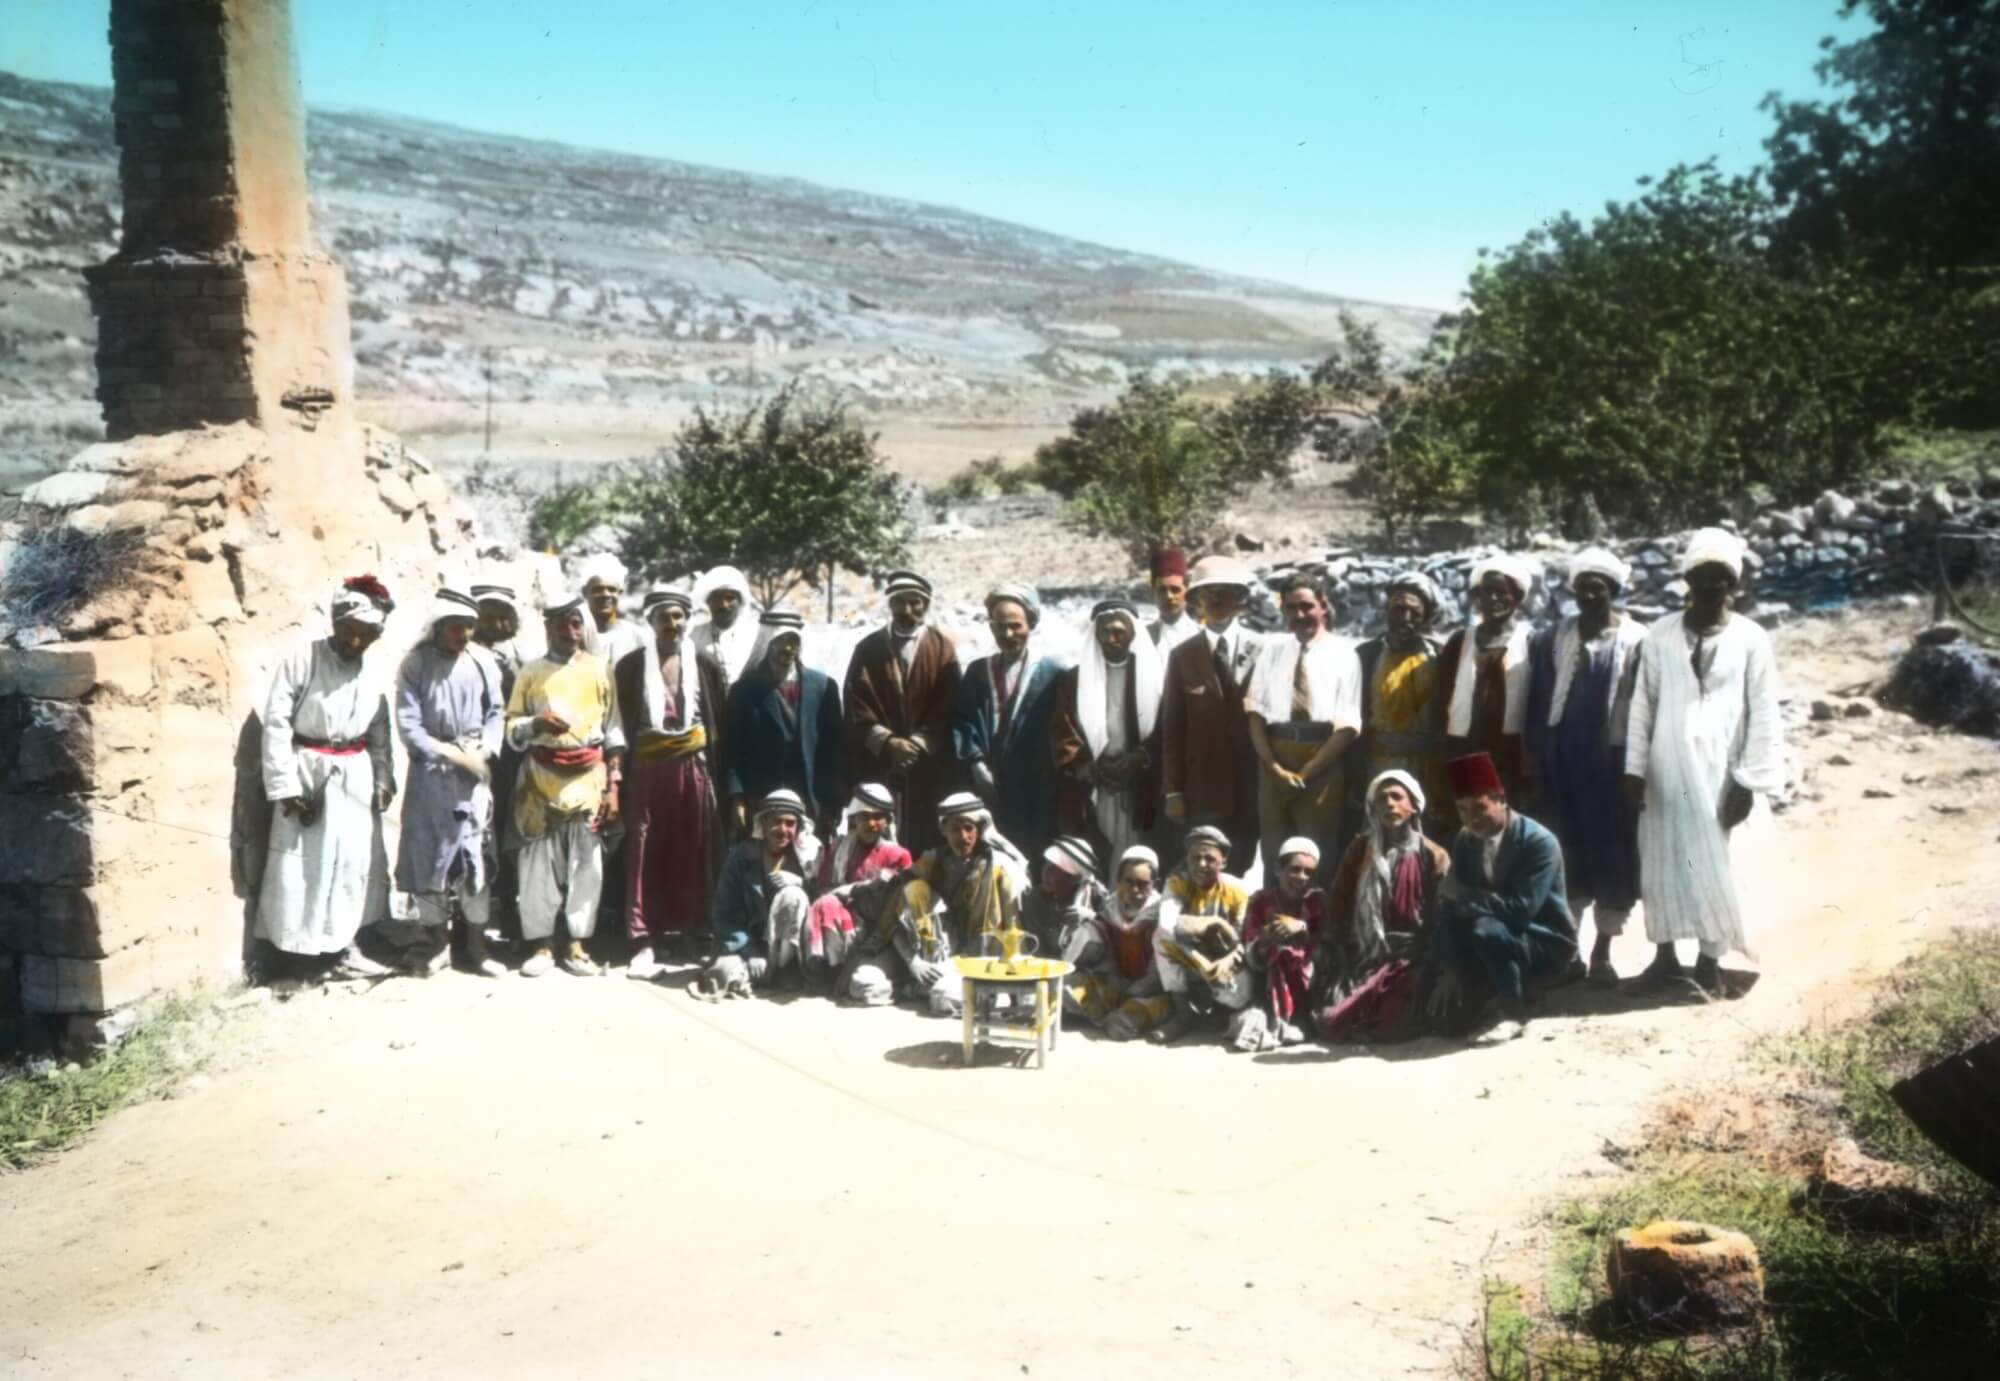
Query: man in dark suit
[1208,767]
[1504,916]
[784,727]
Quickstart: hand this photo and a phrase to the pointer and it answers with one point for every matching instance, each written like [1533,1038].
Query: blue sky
[1367,149]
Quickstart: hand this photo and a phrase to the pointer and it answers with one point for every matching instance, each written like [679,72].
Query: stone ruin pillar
[218,306]
[236,485]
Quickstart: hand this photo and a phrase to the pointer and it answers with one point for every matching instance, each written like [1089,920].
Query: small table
[1040,1022]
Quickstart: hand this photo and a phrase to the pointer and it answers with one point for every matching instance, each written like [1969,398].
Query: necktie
[1302,696]
[1224,670]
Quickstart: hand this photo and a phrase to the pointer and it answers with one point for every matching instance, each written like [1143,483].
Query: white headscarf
[1378,875]
[601,566]
[1513,663]
[1148,681]
[1714,546]
[732,646]
[1599,561]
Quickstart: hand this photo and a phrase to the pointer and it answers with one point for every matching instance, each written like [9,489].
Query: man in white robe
[1106,732]
[327,772]
[1703,744]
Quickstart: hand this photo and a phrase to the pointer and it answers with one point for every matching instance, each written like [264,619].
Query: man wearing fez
[1175,625]
[1504,918]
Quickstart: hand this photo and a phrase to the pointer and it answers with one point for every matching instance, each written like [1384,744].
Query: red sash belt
[568,759]
[332,747]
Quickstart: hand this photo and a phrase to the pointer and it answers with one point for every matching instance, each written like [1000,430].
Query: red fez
[1170,561]
[1474,775]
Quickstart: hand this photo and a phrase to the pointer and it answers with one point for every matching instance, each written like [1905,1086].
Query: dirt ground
[559,1177]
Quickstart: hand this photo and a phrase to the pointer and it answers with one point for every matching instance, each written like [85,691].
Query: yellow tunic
[1407,709]
[579,691]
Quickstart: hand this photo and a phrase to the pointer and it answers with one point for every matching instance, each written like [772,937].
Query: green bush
[568,509]
[1156,466]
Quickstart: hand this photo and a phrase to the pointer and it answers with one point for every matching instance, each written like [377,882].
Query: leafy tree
[1899,172]
[1659,359]
[1262,427]
[1902,164]
[1253,436]
[782,489]
[1148,469]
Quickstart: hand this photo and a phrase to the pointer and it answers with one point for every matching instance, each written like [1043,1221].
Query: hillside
[616,292]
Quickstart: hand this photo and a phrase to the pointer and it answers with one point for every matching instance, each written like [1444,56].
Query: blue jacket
[1527,886]
[766,747]
[1023,761]
[743,897]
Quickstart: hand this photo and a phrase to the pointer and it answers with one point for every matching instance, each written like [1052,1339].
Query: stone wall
[1800,558]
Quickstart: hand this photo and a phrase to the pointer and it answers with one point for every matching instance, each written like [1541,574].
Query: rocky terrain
[609,294]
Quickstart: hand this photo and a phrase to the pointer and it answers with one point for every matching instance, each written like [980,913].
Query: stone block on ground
[70,671]
[53,986]
[86,1035]
[1856,1191]
[1677,1275]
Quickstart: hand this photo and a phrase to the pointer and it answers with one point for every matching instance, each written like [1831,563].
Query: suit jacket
[629,676]
[1204,733]
[1023,771]
[1073,760]
[1527,888]
[770,747]
[882,702]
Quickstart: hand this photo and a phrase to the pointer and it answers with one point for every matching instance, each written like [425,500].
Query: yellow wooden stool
[1034,1015]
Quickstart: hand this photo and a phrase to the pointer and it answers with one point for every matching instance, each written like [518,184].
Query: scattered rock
[1840,760]
[1939,634]
[1942,809]
[1878,793]
[1679,1275]
[1947,686]
[1833,508]
[1245,542]
[1823,711]
[1856,1191]
[1858,709]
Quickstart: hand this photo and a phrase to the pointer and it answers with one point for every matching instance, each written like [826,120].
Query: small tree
[783,489]
[1151,473]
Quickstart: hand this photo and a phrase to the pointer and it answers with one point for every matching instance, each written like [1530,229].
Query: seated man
[856,876]
[1280,933]
[1375,949]
[965,889]
[1198,944]
[1069,896]
[1113,983]
[1504,916]
[760,899]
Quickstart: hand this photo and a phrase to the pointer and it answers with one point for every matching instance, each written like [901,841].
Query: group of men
[1433,817]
